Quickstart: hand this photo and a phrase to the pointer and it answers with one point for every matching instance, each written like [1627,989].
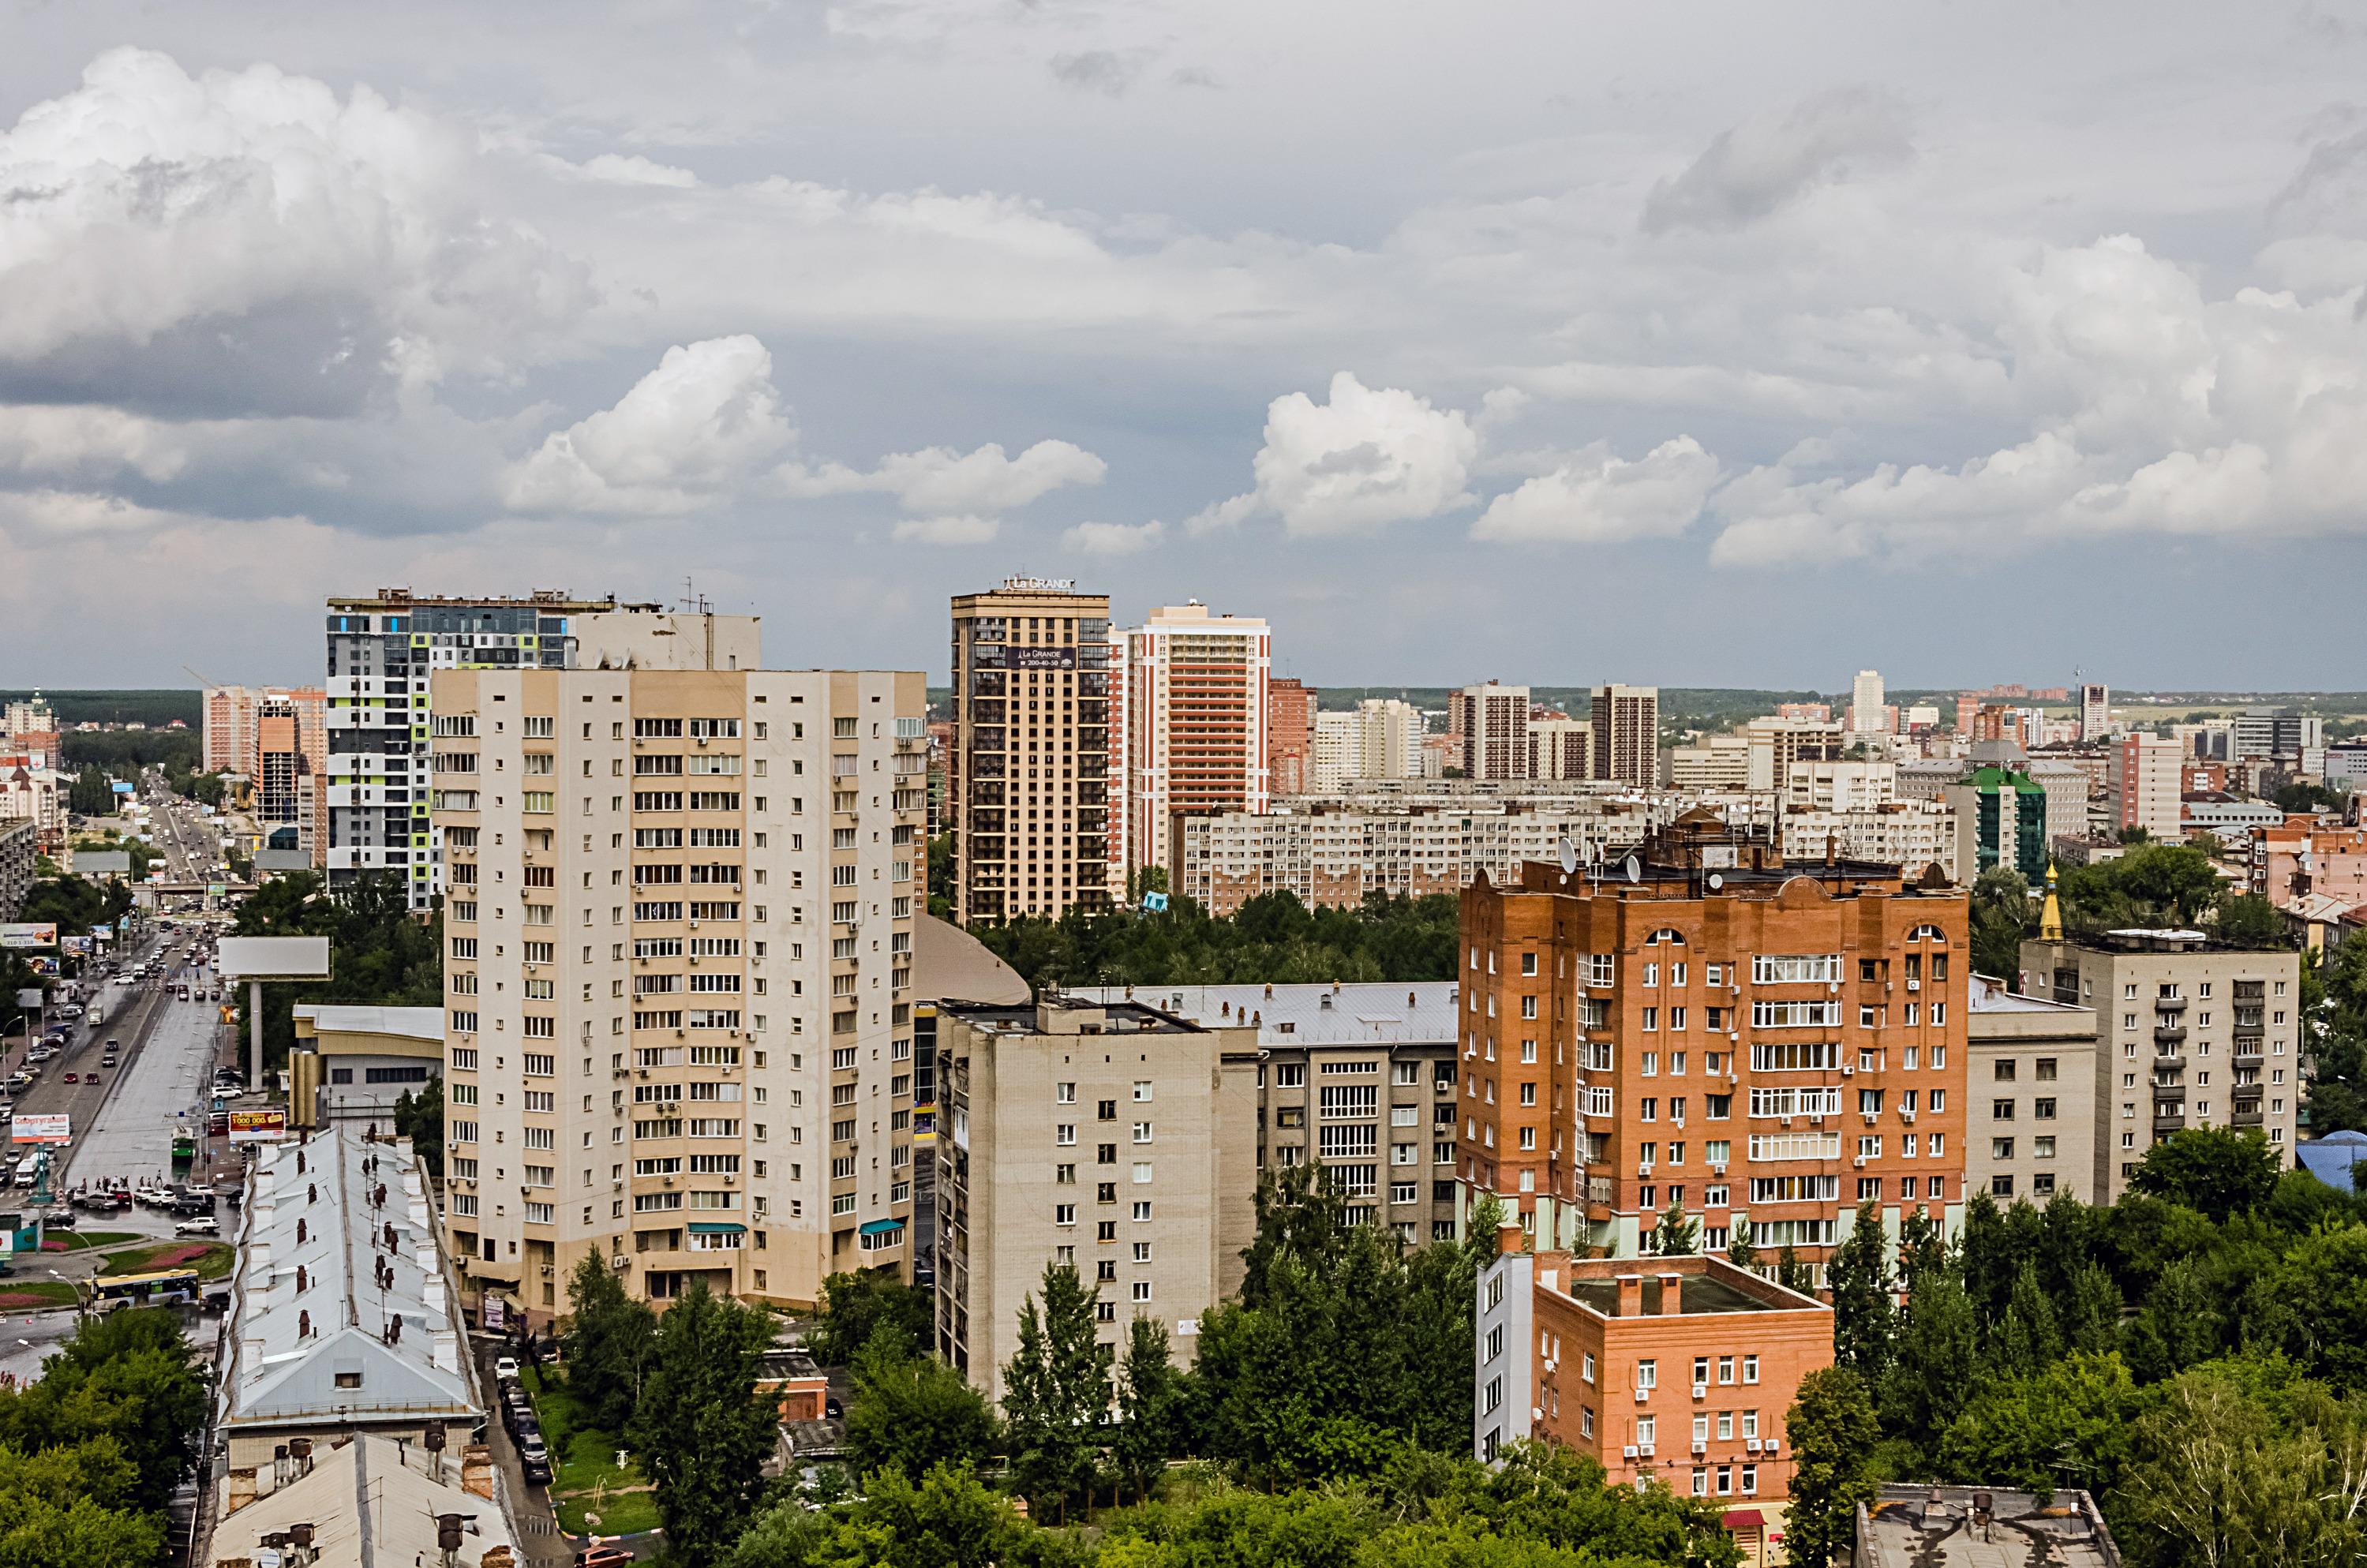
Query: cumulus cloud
[948,530]
[690,433]
[2160,410]
[1596,497]
[940,480]
[148,208]
[1758,166]
[1113,538]
[1103,71]
[1369,458]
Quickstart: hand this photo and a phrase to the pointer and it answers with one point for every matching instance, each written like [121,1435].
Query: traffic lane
[50,1094]
[161,1089]
[542,1543]
[26,1338]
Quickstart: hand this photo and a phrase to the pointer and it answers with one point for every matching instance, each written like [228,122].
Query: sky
[1538,340]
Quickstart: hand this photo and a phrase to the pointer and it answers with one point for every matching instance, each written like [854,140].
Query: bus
[164,1287]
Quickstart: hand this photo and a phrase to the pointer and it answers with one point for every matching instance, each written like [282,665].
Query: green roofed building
[2000,820]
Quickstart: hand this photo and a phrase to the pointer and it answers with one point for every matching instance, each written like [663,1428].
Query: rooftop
[415,1023]
[1364,1013]
[954,966]
[1061,1015]
[1639,1287]
[2334,1158]
[374,1503]
[1989,995]
[343,1311]
[1962,1527]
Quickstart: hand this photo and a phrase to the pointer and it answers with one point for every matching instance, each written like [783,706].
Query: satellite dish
[1569,856]
[1717,880]
[1635,869]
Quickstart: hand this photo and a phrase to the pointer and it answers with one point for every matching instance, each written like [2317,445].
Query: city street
[161,1090]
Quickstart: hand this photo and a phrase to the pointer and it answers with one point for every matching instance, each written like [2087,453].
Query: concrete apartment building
[1630,1038]
[2142,787]
[383,649]
[678,974]
[1187,730]
[2303,858]
[1290,736]
[2095,712]
[1561,748]
[1911,834]
[2190,1033]
[1868,713]
[1626,732]
[1817,785]
[1493,720]
[2031,1124]
[2000,820]
[1380,737]
[1716,762]
[1331,855]
[1028,776]
[1115,1138]
[1674,1369]
[1780,743]
[1361,1077]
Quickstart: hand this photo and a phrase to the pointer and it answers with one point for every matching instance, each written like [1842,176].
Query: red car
[71,1078]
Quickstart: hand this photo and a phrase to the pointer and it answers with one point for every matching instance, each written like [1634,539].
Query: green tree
[858,1304]
[611,1344]
[2214,1480]
[2180,1326]
[1859,1278]
[2334,1018]
[420,1118]
[1936,1356]
[1675,1236]
[2067,1423]
[2091,1313]
[949,1519]
[1794,1274]
[2030,1337]
[129,1377]
[75,1505]
[1151,1397]
[2324,1281]
[1833,1431]
[1056,1391]
[2217,1171]
[700,1433]
[913,1413]
[2247,920]
[91,795]
[2003,913]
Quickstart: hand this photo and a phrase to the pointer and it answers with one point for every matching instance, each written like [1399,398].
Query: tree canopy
[1274,937]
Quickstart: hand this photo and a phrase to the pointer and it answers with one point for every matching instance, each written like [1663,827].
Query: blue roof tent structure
[2334,1158]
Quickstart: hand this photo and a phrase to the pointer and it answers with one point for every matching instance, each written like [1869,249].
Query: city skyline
[841,313]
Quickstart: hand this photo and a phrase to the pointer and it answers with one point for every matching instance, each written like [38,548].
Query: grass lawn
[82,1241]
[19,1293]
[588,1464]
[211,1259]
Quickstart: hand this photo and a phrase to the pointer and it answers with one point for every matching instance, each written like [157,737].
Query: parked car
[194,1202]
[504,1369]
[58,1220]
[603,1557]
[204,1224]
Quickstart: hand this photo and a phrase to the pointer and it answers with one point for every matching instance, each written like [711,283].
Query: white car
[504,1369]
[203,1225]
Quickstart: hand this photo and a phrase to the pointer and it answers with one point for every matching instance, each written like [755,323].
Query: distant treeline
[121,752]
[154,707]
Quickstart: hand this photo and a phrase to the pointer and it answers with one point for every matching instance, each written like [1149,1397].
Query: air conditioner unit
[1644,1450]
[620,1262]
[615,1187]
[1643,1395]
[1717,1169]
[1907,1115]
[1914,985]
[1783,1121]
[1771,1445]
[1751,1445]
[1701,1390]
[1859,1162]
[1848,1070]
[1628,1452]
[1701,1445]
[669,1182]
[1870,1118]
[545,1270]
[1815,1120]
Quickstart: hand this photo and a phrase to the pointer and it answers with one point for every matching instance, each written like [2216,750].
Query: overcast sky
[1714,344]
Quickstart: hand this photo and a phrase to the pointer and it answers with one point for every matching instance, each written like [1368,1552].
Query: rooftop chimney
[1672,1298]
[1631,1295]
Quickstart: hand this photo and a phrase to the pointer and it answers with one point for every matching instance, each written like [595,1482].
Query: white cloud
[1113,538]
[1749,171]
[1369,458]
[632,169]
[65,439]
[940,480]
[688,434]
[948,530]
[1596,497]
[146,201]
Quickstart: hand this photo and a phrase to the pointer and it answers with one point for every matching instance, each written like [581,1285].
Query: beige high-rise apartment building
[1027,778]
[1561,748]
[2190,1033]
[678,915]
[1380,737]
[2143,786]
[1111,1136]
[1187,732]
[2031,1124]
[1867,711]
[1627,734]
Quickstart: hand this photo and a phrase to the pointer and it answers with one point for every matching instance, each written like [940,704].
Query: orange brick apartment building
[1677,1369]
[1706,1024]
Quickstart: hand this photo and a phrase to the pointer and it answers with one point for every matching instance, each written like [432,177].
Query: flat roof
[1363,1013]
[1990,993]
[426,1024]
[1022,1017]
[1941,1527]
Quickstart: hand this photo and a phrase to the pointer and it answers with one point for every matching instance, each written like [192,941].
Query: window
[1141,1090]
[1141,1172]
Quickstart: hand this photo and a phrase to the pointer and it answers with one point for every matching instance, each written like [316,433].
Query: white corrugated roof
[372,1504]
[320,1289]
[417,1023]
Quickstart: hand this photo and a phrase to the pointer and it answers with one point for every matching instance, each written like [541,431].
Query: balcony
[2169,1122]
[2165,1092]
[2247,1114]
[2169,1033]
[2171,1005]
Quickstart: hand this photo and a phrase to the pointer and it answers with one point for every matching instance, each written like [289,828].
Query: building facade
[1113,1138]
[1714,1026]
[1028,776]
[382,652]
[1868,713]
[2190,1033]
[1187,728]
[1672,1370]
[1626,734]
[2032,1125]
[1380,737]
[1290,736]
[679,924]
[2142,787]
[2095,712]
[1493,720]
[2000,820]
[1910,834]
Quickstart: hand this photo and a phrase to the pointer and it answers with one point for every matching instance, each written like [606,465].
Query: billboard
[273,957]
[258,1126]
[23,934]
[77,946]
[1041,658]
[42,963]
[56,1129]
[122,788]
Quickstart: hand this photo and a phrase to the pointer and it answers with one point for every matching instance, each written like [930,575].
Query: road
[192,848]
